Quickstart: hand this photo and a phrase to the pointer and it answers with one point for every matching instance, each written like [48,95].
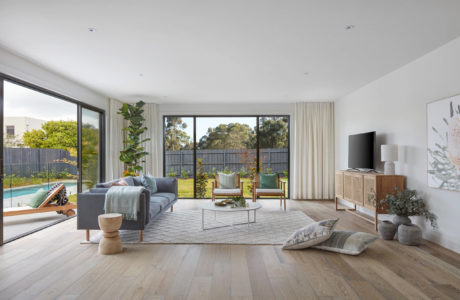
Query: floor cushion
[347,242]
[310,235]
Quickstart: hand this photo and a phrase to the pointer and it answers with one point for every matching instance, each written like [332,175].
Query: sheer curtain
[153,161]
[314,151]
[114,135]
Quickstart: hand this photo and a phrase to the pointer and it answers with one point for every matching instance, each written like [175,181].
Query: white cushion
[347,242]
[310,235]
[226,191]
[272,191]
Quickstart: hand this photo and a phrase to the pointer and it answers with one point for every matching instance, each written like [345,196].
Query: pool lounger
[61,206]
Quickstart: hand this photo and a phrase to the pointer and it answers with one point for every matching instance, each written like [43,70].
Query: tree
[230,136]
[53,135]
[273,132]
[175,136]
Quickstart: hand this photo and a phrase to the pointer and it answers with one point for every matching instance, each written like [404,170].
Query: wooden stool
[110,242]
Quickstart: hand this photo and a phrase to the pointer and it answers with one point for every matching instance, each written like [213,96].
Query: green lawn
[185,187]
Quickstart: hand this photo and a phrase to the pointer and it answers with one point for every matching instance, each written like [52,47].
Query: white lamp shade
[389,152]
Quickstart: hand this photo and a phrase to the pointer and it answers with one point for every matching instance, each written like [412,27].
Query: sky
[203,123]
[24,102]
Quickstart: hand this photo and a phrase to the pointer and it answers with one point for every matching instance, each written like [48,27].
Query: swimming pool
[29,190]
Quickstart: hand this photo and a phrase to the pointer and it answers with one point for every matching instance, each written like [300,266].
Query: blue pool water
[11,193]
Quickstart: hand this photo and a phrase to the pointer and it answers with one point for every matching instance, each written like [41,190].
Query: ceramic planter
[410,235]
[399,220]
[387,230]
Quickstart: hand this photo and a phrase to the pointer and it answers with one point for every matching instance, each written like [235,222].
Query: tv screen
[361,150]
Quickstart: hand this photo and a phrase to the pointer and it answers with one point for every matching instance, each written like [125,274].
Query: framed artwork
[443,120]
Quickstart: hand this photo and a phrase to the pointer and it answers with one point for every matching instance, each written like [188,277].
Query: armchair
[280,191]
[237,191]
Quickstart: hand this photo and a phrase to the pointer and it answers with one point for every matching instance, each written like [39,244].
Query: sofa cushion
[129,180]
[227,181]
[227,191]
[155,208]
[271,191]
[149,182]
[99,190]
[170,196]
[268,181]
[163,201]
[137,180]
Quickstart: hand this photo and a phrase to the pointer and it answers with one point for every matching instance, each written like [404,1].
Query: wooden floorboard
[52,264]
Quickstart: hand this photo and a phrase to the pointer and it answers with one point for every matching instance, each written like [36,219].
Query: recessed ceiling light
[349,27]
[92,29]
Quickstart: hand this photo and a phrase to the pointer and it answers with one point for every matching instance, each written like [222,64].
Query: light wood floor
[53,264]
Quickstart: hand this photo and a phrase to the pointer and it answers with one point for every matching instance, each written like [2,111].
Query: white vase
[453,146]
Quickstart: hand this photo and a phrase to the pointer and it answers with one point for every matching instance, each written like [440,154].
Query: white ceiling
[226,51]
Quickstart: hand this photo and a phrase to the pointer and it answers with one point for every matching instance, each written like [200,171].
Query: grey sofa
[91,204]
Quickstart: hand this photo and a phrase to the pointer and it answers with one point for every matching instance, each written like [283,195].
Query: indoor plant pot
[387,230]
[399,220]
[410,234]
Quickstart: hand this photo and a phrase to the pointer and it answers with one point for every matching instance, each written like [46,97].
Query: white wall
[18,67]
[395,107]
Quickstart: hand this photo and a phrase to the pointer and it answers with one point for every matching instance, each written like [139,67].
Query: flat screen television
[361,150]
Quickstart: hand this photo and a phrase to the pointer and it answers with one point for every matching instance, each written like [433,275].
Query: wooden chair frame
[281,185]
[238,184]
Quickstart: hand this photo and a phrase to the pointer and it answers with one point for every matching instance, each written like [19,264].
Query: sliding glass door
[47,139]
[90,148]
[200,146]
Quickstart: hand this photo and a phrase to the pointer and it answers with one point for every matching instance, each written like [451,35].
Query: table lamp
[389,156]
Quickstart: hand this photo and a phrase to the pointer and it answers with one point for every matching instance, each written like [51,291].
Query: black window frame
[102,134]
[228,116]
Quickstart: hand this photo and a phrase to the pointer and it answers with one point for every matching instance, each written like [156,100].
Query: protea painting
[444,143]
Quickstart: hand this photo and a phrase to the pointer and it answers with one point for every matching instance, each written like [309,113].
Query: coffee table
[209,206]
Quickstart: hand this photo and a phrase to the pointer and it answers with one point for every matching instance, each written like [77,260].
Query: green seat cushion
[38,198]
[149,183]
[227,181]
[268,181]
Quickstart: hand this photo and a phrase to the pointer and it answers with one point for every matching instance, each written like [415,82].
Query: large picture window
[47,139]
[201,146]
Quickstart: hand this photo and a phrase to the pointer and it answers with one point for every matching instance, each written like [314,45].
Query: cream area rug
[185,227]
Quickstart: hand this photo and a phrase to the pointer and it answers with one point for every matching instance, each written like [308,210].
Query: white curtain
[314,151]
[114,138]
[153,161]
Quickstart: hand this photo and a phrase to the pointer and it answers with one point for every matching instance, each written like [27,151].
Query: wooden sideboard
[356,186]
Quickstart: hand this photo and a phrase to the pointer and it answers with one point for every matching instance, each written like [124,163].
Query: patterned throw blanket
[123,200]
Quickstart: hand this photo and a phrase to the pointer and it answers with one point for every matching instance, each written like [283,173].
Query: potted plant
[405,203]
[133,152]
